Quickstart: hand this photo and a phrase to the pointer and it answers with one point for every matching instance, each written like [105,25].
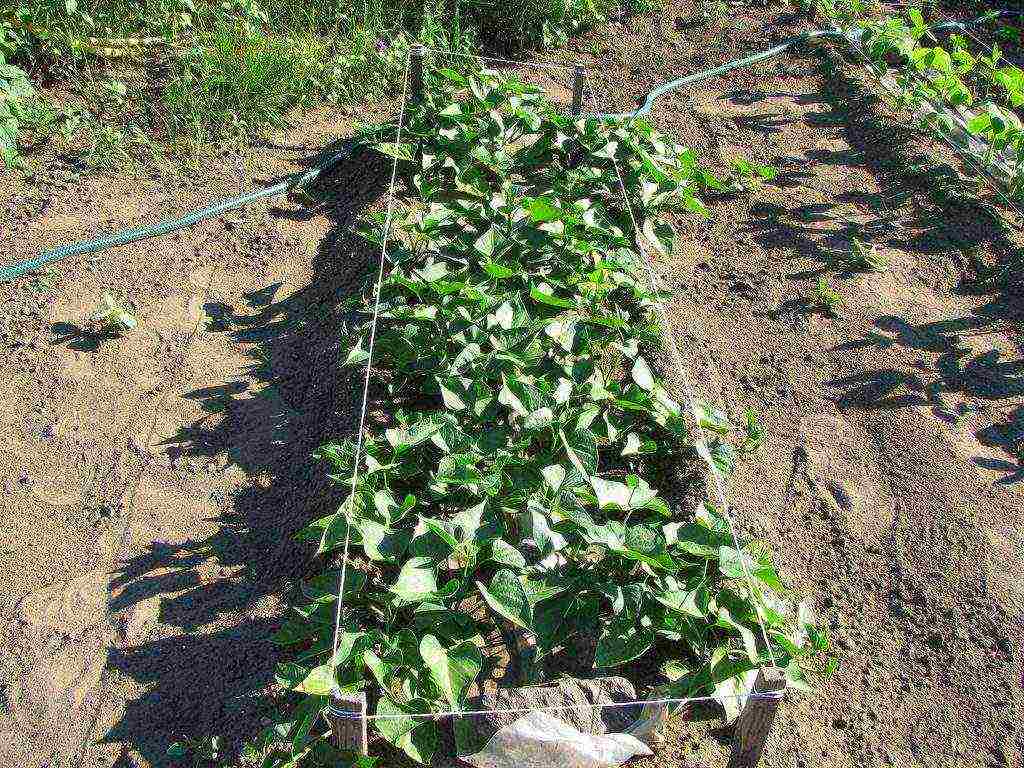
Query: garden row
[520,488]
[978,92]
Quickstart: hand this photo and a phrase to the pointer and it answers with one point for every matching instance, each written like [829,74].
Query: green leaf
[380,542]
[539,419]
[542,209]
[622,641]
[581,448]
[543,294]
[642,375]
[441,531]
[538,527]
[411,436]
[422,742]
[507,597]
[498,271]
[392,727]
[452,669]
[293,631]
[731,562]
[554,476]
[484,244]
[357,355]
[726,620]
[451,74]
[614,495]
[417,580]
[347,642]
[318,681]
[503,553]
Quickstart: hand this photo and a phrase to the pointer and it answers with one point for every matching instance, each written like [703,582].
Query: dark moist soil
[152,482]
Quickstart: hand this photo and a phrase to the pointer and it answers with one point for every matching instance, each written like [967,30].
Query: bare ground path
[151,483]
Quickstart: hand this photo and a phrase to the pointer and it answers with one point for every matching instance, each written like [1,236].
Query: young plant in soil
[110,317]
[868,256]
[828,299]
[519,488]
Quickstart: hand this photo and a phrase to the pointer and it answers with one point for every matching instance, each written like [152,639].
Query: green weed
[110,317]
[868,256]
[828,299]
[746,176]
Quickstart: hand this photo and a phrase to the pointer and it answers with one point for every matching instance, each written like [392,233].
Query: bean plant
[985,88]
[520,486]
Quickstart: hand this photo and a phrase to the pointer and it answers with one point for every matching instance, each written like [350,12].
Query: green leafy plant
[981,86]
[515,488]
[868,256]
[110,317]
[746,176]
[17,97]
[827,296]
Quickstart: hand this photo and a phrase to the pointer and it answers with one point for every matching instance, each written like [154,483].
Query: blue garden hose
[673,85]
[140,233]
[782,47]
[131,235]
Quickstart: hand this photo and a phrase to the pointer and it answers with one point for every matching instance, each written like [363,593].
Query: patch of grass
[234,79]
[189,72]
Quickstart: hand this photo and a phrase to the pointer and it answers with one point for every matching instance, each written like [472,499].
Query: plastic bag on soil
[540,740]
[570,726]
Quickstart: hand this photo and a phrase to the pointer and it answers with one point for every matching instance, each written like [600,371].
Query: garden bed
[885,483]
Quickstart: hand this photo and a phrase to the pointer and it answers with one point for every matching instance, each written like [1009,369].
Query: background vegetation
[123,78]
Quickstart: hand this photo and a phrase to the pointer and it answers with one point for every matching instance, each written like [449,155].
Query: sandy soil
[151,483]
[887,483]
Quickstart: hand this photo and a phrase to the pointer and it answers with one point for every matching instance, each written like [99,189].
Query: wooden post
[755,721]
[577,92]
[416,72]
[346,713]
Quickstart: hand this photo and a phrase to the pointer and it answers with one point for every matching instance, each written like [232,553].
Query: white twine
[538,63]
[691,397]
[369,364]
[348,715]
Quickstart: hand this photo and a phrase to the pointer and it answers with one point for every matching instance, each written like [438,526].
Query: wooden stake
[577,92]
[755,721]
[346,713]
[416,72]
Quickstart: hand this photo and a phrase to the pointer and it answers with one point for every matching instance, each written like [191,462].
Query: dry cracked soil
[151,482]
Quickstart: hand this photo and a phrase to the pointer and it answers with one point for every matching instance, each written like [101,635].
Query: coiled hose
[131,235]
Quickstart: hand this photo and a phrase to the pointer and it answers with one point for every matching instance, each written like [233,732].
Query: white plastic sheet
[540,740]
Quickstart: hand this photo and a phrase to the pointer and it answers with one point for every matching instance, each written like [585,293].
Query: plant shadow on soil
[204,682]
[944,219]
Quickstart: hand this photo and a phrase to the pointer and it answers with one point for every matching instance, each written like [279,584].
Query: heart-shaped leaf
[452,669]
[506,596]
